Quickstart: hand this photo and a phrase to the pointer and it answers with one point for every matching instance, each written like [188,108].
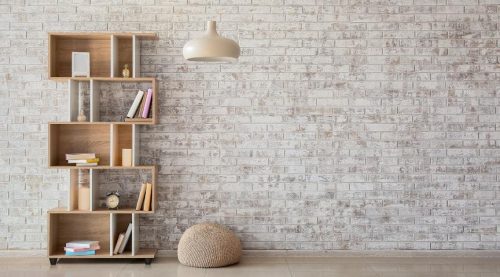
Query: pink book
[149,97]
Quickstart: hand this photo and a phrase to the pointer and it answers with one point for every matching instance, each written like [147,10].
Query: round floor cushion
[209,245]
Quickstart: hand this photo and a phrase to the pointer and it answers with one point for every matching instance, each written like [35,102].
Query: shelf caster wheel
[53,261]
[148,261]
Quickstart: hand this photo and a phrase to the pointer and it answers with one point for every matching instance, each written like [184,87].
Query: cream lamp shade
[211,47]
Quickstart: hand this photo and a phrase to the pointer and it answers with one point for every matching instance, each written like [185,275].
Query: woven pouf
[209,245]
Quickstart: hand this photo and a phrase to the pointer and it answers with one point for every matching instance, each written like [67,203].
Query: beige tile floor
[260,267]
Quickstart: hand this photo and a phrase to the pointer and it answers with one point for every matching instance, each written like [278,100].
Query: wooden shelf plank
[137,167]
[111,79]
[142,122]
[99,211]
[142,35]
[145,253]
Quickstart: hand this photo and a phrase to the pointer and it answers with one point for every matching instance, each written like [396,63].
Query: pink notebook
[147,105]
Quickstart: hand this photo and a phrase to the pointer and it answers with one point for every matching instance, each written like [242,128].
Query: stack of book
[141,107]
[81,248]
[122,240]
[145,196]
[82,159]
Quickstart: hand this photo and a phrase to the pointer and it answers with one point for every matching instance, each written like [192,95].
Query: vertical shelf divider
[114,56]
[73,99]
[112,233]
[94,186]
[73,189]
[135,145]
[94,101]
[114,141]
[136,57]
[135,234]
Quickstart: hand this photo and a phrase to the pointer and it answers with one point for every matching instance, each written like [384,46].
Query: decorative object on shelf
[125,71]
[81,116]
[83,190]
[80,64]
[209,245]
[112,200]
[126,157]
[211,47]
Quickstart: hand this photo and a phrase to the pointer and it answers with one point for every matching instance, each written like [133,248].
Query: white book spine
[135,105]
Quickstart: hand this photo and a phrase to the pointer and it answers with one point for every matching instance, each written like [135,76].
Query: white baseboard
[303,253]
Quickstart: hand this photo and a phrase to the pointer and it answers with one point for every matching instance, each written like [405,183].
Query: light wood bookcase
[108,53]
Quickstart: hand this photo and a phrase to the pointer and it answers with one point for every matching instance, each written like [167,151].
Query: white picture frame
[80,64]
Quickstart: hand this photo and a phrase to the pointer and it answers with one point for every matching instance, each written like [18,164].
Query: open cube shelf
[67,138]
[102,227]
[122,94]
[99,184]
[106,140]
[109,52]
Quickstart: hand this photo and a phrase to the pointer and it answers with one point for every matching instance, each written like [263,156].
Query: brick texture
[346,124]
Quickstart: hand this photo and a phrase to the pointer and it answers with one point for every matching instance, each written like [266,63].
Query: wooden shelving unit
[108,53]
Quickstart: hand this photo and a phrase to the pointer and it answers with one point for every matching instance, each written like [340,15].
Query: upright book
[135,104]
[147,105]
[147,197]
[140,201]
[125,239]
[119,242]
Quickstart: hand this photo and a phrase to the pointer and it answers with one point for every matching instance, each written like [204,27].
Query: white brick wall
[346,124]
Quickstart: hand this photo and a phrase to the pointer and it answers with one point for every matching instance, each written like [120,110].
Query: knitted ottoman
[209,245]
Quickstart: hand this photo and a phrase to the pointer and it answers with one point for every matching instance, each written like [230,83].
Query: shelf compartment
[119,224]
[74,190]
[62,46]
[122,53]
[104,49]
[65,138]
[119,95]
[122,139]
[66,227]
[128,184]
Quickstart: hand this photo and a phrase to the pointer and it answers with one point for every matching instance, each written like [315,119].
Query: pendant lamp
[211,47]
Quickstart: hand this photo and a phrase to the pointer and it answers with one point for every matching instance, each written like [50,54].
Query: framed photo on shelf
[80,64]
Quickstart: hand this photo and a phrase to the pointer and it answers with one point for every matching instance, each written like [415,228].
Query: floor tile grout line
[288,266]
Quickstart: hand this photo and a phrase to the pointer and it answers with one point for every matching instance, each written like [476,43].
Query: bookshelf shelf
[98,87]
[144,253]
[104,134]
[99,211]
[108,53]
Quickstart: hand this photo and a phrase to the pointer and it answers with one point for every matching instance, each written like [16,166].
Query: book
[83,161]
[86,164]
[125,238]
[138,207]
[119,241]
[82,244]
[141,107]
[147,197]
[80,156]
[147,106]
[75,249]
[135,104]
[83,253]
